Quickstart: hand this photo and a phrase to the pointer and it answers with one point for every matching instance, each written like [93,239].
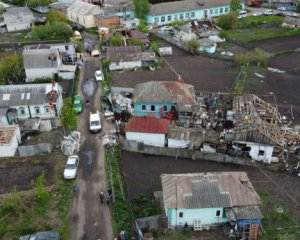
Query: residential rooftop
[147,124]
[7,133]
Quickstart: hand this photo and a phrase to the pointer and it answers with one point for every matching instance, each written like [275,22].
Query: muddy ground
[142,176]
[206,74]
[278,44]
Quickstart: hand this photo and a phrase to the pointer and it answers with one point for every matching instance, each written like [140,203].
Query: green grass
[249,35]
[143,206]
[255,21]
[93,30]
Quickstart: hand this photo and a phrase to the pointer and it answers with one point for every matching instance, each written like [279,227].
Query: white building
[18,18]
[148,130]
[33,100]
[10,137]
[83,13]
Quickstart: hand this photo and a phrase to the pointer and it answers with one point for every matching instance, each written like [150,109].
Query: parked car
[242,14]
[257,14]
[77,105]
[77,27]
[99,76]
[95,122]
[166,28]
[280,14]
[282,8]
[95,53]
[77,35]
[291,14]
[47,235]
[269,12]
[71,167]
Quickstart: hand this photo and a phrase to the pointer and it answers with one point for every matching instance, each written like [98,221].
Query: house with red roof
[149,130]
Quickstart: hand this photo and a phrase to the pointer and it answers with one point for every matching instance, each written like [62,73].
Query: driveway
[90,219]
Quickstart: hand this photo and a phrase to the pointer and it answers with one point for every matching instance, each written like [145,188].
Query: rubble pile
[71,143]
[109,140]
[123,103]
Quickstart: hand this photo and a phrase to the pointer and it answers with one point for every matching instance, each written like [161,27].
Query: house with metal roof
[291,22]
[167,12]
[32,100]
[18,18]
[199,200]
[83,13]
[148,130]
[169,99]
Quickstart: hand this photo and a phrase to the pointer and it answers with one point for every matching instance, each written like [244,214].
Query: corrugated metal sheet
[147,125]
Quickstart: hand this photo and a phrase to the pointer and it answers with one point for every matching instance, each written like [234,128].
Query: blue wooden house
[158,98]
[199,200]
[165,13]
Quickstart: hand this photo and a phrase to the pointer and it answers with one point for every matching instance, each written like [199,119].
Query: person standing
[102,197]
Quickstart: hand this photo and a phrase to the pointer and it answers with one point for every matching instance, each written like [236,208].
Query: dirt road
[90,219]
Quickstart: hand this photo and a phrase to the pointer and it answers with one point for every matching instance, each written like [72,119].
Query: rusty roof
[147,124]
[208,190]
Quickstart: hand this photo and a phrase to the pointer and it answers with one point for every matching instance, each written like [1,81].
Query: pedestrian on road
[102,197]
[107,198]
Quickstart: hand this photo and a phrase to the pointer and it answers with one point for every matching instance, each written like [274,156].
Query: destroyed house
[168,99]
[200,200]
[257,127]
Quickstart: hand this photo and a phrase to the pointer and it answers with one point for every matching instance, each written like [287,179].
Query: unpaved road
[90,219]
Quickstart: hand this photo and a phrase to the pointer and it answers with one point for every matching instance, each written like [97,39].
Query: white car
[166,28]
[257,14]
[269,12]
[71,167]
[99,76]
[282,8]
[95,122]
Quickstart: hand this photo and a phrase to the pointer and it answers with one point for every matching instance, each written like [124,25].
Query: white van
[165,51]
[95,122]
[242,14]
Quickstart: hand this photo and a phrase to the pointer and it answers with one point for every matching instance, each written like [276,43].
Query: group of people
[105,197]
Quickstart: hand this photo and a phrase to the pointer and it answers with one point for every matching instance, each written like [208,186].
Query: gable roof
[147,124]
[165,91]
[82,8]
[208,190]
[185,6]
[17,14]
[124,53]
[39,58]
[27,94]
[292,21]
[136,34]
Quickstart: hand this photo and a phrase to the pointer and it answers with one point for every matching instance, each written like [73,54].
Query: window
[181,16]
[152,108]
[216,11]
[175,17]
[261,153]
[67,47]
[165,108]
[221,10]
[187,15]
[218,213]
[226,9]
[181,214]
[193,14]
[211,12]
[22,111]
[37,110]
[162,19]
[156,20]
[169,18]
[143,107]
[205,13]
[47,109]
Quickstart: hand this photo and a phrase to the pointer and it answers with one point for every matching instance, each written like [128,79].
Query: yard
[206,74]
[34,196]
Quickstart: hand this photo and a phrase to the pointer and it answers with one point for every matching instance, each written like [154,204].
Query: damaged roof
[83,8]
[124,53]
[208,190]
[147,124]
[165,91]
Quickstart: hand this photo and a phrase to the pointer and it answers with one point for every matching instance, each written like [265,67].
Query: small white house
[83,13]
[33,100]
[10,137]
[148,130]
[18,18]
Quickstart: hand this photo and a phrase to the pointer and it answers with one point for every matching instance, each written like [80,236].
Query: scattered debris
[71,143]
[123,103]
[227,53]
[109,140]
[259,75]
[275,70]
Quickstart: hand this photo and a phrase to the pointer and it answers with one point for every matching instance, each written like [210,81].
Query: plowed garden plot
[142,176]
[205,74]
[288,62]
[278,44]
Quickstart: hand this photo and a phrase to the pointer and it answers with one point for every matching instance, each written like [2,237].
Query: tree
[257,55]
[68,115]
[235,5]
[298,7]
[154,47]
[227,21]
[137,42]
[116,40]
[11,68]
[41,193]
[54,16]
[193,45]
[141,8]
[35,3]
[55,30]
[142,26]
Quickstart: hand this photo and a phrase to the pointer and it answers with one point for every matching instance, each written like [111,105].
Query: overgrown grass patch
[143,206]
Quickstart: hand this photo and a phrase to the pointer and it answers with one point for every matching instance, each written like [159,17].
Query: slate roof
[165,91]
[124,53]
[25,94]
[185,6]
[208,190]
[116,6]
[135,34]
[147,124]
[82,8]
[17,14]
[249,212]
[39,58]
[292,21]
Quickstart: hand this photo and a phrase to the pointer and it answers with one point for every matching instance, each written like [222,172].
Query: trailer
[165,51]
